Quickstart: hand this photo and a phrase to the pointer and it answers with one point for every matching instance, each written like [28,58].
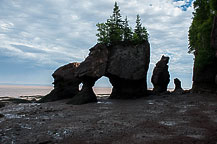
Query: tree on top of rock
[140,33]
[115,30]
[128,34]
[115,24]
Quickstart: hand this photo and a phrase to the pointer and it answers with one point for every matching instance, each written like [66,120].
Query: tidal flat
[188,118]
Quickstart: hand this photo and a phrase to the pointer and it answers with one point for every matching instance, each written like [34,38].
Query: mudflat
[188,118]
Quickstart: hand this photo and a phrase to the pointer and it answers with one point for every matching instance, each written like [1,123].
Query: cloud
[55,32]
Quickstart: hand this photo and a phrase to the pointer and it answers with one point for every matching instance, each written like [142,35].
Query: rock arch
[125,65]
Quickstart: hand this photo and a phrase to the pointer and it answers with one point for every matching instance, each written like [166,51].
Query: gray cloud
[56,32]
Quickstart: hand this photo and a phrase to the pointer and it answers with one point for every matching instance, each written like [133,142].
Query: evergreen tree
[115,24]
[127,31]
[140,33]
[115,30]
[103,33]
[200,31]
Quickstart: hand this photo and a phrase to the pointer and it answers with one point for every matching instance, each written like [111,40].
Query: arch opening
[102,87]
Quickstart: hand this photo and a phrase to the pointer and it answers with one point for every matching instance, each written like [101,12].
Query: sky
[38,36]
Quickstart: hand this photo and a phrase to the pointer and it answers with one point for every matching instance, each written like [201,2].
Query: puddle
[100,102]
[182,110]
[150,102]
[13,116]
[168,123]
[195,136]
[26,127]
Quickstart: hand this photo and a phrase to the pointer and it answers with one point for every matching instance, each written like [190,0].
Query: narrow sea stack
[178,87]
[161,77]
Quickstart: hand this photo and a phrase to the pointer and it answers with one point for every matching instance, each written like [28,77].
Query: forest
[200,32]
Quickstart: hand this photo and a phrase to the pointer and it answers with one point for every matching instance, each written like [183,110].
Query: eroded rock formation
[66,84]
[178,87]
[205,79]
[89,71]
[161,77]
[127,70]
[125,65]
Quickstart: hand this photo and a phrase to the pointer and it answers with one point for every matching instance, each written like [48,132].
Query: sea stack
[161,77]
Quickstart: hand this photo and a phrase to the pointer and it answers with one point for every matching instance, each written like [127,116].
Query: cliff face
[125,65]
[214,41]
[127,70]
[205,79]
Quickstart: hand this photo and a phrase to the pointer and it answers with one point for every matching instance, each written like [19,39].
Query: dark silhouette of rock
[86,95]
[66,84]
[178,88]
[214,35]
[204,79]
[127,70]
[2,104]
[93,68]
[125,65]
[214,40]
[161,77]
[1,115]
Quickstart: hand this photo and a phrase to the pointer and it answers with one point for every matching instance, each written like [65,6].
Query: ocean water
[18,90]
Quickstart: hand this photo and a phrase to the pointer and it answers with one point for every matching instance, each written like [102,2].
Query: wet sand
[189,118]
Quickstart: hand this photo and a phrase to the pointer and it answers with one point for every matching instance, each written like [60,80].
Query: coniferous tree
[140,33]
[115,30]
[128,34]
[103,33]
[200,31]
[115,24]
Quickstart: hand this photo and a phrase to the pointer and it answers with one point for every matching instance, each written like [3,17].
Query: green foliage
[213,6]
[115,24]
[128,34]
[200,32]
[115,30]
[140,33]
[103,33]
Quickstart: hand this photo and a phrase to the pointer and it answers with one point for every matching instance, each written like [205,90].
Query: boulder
[66,84]
[161,77]
[127,69]
[178,88]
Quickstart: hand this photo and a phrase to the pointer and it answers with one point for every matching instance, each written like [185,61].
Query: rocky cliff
[205,79]
[125,65]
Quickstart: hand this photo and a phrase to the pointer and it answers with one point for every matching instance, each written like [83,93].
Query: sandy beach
[188,118]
